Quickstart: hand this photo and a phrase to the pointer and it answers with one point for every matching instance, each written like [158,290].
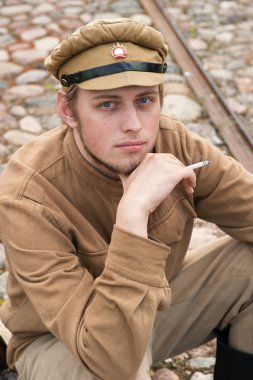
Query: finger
[188,188]
[189,180]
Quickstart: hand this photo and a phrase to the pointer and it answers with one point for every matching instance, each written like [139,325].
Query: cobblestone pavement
[220,33]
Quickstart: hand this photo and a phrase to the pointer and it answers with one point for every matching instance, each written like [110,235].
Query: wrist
[132,219]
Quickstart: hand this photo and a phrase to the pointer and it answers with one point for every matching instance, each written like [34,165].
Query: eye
[144,100]
[107,104]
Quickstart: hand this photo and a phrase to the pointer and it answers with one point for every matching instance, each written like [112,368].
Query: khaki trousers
[214,288]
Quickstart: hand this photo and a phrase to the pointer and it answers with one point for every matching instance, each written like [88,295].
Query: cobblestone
[23,91]
[8,69]
[18,111]
[182,106]
[17,137]
[29,56]
[15,10]
[4,56]
[31,76]
[202,362]
[30,124]
[202,376]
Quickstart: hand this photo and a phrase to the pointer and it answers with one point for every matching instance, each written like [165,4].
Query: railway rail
[228,124]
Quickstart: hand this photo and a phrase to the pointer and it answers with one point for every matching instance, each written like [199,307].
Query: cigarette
[199,164]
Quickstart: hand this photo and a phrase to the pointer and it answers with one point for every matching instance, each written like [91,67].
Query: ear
[64,110]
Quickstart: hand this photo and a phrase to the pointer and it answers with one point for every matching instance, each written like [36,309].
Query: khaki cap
[106,54]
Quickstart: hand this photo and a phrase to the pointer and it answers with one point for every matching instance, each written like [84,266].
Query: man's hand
[148,186]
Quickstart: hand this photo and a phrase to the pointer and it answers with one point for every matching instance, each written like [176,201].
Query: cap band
[114,68]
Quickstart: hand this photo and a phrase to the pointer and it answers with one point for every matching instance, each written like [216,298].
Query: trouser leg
[213,289]
[48,359]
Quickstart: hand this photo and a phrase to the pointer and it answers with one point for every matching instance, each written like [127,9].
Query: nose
[131,120]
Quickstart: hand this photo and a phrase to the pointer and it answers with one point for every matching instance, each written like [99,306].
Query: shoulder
[170,122]
[41,158]
[175,138]
[170,127]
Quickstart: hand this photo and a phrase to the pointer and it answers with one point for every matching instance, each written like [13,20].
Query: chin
[128,169]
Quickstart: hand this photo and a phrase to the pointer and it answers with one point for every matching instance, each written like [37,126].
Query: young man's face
[116,128]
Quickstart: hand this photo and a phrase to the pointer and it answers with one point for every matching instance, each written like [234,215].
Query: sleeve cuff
[137,258]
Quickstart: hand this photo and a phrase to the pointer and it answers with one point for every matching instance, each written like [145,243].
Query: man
[97,215]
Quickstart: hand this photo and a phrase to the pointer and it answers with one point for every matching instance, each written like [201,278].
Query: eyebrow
[113,96]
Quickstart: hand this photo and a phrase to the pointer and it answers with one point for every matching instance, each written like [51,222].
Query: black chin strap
[114,68]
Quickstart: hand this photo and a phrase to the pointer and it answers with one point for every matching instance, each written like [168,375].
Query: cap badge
[118,51]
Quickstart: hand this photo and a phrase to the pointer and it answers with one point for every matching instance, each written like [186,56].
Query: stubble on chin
[123,169]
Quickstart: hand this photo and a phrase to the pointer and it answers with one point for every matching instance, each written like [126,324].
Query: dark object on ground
[231,364]
[7,374]
[3,364]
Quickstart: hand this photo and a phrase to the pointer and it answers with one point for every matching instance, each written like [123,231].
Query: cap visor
[126,78]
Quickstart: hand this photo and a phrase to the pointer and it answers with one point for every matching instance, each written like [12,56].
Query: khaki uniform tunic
[96,287]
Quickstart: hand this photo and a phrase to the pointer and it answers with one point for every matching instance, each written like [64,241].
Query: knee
[246,256]
[241,258]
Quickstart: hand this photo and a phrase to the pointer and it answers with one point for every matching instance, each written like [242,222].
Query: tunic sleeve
[107,322]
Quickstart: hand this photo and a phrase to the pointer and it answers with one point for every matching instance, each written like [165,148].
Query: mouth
[131,146]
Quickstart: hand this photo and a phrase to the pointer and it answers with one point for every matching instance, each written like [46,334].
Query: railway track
[229,125]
